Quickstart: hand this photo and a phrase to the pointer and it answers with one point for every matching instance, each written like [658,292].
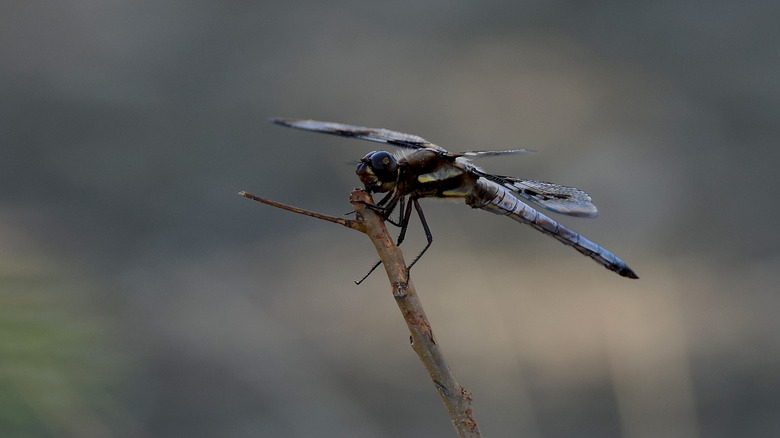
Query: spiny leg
[401,203]
[403,223]
[386,210]
[378,207]
[385,198]
[428,234]
[404,220]
[370,271]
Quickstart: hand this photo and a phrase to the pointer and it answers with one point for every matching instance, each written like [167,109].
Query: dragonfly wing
[481,154]
[378,135]
[554,197]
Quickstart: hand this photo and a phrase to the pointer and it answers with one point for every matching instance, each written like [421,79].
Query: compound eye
[384,165]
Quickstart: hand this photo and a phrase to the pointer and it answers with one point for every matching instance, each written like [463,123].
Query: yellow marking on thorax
[455,192]
[441,174]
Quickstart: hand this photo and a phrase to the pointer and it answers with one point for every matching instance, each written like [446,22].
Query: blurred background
[142,297]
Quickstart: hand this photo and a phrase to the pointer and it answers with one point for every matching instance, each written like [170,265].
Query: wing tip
[282,121]
[305,124]
[586,213]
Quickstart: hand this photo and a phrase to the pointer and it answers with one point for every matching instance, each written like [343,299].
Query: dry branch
[456,398]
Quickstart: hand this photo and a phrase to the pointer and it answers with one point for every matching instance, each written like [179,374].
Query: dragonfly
[422,169]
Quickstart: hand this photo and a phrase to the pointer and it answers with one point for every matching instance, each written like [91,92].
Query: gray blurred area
[140,296]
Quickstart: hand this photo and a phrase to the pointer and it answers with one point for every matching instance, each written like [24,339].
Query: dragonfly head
[378,170]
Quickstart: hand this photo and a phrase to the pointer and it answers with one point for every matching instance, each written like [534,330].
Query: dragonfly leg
[370,271]
[375,207]
[391,199]
[386,198]
[386,210]
[403,223]
[428,234]
[401,202]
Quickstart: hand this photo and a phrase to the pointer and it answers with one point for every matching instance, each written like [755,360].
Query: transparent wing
[481,154]
[560,199]
[386,136]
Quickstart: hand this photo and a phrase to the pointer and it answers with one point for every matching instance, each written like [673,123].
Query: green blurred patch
[60,361]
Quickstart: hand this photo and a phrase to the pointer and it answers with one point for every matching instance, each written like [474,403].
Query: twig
[456,398]
[349,223]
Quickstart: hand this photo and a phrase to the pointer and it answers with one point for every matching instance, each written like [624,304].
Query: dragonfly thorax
[378,170]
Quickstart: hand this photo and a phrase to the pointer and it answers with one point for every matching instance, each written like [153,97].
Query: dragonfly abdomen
[496,199]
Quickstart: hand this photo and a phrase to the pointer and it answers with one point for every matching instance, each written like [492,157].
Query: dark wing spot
[344,133]
[545,197]
[406,144]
